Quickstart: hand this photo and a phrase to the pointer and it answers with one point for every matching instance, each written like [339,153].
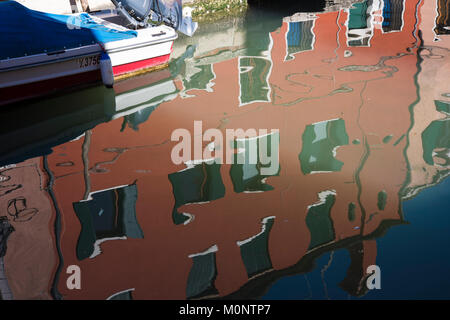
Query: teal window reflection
[320,141]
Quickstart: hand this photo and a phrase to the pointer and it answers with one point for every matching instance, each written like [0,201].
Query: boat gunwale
[42,59]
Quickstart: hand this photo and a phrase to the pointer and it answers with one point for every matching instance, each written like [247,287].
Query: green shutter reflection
[382,199]
[200,80]
[200,183]
[254,79]
[319,142]
[359,32]
[392,15]
[109,214]
[247,175]
[351,211]
[358,16]
[436,136]
[255,250]
[202,275]
[387,139]
[126,295]
[318,220]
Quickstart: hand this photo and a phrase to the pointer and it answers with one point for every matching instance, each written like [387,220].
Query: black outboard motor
[139,12]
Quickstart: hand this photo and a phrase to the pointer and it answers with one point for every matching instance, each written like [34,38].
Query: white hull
[151,47]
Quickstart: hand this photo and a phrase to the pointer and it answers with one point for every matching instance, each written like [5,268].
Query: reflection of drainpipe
[85,157]
[5,230]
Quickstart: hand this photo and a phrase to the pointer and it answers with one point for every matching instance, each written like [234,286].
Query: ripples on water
[360,97]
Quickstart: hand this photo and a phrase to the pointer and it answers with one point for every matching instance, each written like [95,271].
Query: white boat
[41,53]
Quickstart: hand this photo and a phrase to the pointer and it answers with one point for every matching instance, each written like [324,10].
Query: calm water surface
[358,98]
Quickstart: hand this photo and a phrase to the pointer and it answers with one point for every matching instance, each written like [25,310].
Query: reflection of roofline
[263,230]
[258,285]
[211,249]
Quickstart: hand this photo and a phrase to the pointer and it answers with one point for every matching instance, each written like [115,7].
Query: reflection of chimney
[354,282]
[5,230]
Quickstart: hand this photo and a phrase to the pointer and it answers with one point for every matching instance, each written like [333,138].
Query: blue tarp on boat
[27,32]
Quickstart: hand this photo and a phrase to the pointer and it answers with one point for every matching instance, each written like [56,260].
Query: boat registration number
[88,61]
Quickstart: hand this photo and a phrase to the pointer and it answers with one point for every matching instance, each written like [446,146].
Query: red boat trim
[141,81]
[142,64]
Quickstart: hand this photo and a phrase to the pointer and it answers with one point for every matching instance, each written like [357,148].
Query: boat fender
[106,70]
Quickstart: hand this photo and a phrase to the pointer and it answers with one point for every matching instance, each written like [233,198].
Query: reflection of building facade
[428,151]
[207,230]
[218,205]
